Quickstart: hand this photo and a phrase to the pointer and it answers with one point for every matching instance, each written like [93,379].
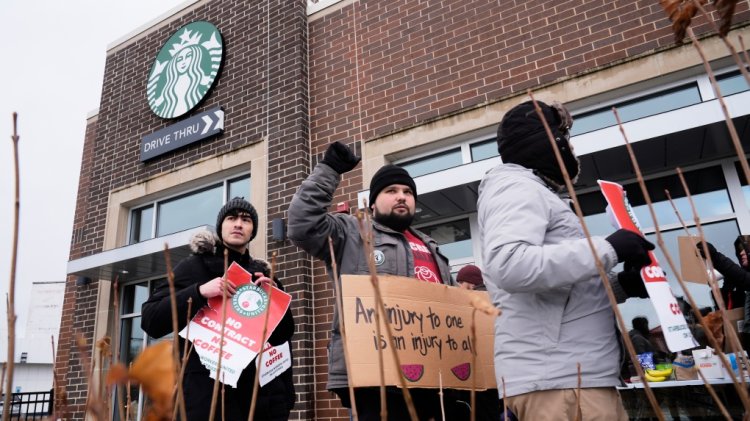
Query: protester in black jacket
[199,277]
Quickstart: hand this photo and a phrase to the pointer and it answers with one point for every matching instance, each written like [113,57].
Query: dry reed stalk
[440,393]
[116,345]
[342,328]
[724,39]
[223,400]
[578,394]
[59,392]
[599,265]
[215,392]
[259,358]
[505,399]
[659,238]
[186,350]
[93,402]
[744,50]
[380,307]
[657,229]
[473,399]
[730,125]
[713,394]
[734,341]
[12,282]
[129,399]
[176,333]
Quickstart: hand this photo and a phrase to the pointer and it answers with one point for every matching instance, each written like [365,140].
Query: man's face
[395,206]
[743,258]
[236,231]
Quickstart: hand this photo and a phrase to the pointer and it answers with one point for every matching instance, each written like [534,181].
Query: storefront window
[433,163]
[453,237]
[484,150]
[186,211]
[660,102]
[732,83]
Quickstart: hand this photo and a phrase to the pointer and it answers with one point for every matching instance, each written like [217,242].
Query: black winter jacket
[275,399]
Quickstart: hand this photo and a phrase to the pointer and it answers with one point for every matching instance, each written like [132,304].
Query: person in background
[200,277]
[470,277]
[640,335]
[539,268]
[399,250]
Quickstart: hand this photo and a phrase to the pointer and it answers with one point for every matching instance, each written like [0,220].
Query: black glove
[632,283]
[630,247]
[339,157]
[711,250]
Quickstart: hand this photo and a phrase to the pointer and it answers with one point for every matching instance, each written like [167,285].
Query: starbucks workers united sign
[185,69]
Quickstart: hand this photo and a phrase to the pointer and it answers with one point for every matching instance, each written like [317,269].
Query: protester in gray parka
[539,268]
[392,199]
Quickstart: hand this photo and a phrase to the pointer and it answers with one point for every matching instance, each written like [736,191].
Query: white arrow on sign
[209,121]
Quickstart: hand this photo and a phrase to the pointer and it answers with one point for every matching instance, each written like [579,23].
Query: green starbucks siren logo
[250,300]
[185,69]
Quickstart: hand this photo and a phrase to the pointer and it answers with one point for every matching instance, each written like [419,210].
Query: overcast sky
[52,55]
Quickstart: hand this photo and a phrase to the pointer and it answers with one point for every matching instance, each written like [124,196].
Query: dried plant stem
[262,342]
[176,333]
[127,405]
[730,125]
[186,350]
[713,394]
[473,398]
[597,260]
[744,50]
[367,234]
[342,325]
[659,238]
[215,393]
[12,282]
[116,344]
[578,393]
[724,39]
[505,399]
[440,393]
[734,341]
[93,402]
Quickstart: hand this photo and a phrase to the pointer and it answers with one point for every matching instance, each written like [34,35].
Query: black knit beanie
[238,204]
[521,140]
[387,175]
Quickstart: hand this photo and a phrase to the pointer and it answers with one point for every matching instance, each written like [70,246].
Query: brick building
[418,83]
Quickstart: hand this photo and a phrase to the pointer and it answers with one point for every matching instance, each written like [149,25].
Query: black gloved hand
[632,283]
[711,250]
[339,157]
[630,247]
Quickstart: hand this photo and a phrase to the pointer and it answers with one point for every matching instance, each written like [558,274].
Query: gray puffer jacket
[310,225]
[538,267]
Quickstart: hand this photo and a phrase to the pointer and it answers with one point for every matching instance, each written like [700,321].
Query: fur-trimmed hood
[205,242]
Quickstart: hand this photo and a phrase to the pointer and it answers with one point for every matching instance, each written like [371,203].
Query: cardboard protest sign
[242,332]
[274,361]
[691,264]
[676,331]
[431,325]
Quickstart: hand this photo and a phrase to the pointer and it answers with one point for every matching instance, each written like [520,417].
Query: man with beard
[399,250]
[538,267]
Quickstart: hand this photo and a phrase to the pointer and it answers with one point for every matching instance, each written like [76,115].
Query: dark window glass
[239,187]
[193,210]
[732,83]
[661,102]
[433,163]
[453,237]
[484,150]
[142,220]
[133,296]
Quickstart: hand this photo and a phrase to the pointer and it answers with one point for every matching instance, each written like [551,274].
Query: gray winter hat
[238,204]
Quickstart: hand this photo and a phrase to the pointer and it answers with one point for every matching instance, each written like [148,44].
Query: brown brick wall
[263,84]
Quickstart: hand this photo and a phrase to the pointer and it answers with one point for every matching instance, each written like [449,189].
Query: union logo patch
[250,300]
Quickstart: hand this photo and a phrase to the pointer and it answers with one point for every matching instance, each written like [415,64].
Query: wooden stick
[473,399]
[728,44]
[380,307]
[440,393]
[342,328]
[505,400]
[263,342]
[175,330]
[186,350]
[12,283]
[713,394]
[578,394]
[744,50]
[215,392]
[116,345]
[599,265]
[741,391]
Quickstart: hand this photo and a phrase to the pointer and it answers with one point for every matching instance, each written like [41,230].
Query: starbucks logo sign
[185,69]
[250,300]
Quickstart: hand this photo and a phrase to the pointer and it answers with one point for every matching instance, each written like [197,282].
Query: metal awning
[137,261]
